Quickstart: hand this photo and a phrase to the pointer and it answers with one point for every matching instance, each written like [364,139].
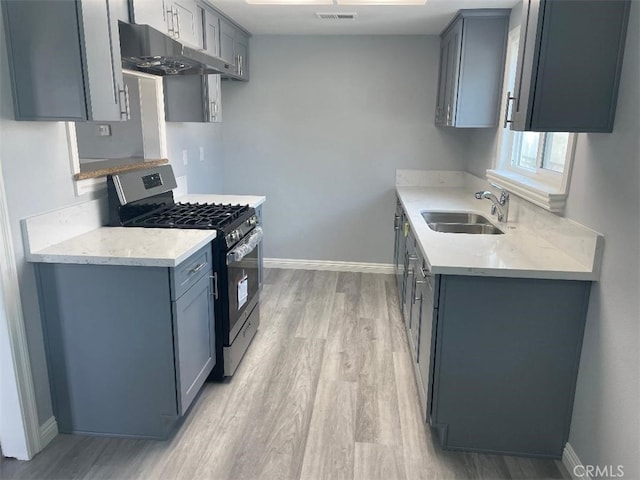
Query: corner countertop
[75,235]
[131,246]
[521,252]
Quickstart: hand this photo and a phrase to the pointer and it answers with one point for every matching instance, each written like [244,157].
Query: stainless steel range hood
[146,49]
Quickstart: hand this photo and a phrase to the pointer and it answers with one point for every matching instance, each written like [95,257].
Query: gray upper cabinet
[227,39]
[65,61]
[192,98]
[234,49]
[154,14]
[211,23]
[180,19]
[472,57]
[242,54]
[569,64]
[186,22]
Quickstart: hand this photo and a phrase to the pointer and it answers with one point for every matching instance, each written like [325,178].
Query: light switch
[185,157]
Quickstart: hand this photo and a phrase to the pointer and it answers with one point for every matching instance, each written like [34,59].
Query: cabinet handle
[176,14]
[197,268]
[506,110]
[170,28]
[214,279]
[448,115]
[125,110]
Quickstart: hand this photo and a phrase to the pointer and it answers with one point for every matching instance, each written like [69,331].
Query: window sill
[542,194]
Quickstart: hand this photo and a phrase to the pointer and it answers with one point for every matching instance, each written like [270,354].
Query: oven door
[242,278]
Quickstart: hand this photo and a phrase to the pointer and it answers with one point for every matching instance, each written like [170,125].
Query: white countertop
[150,247]
[74,235]
[520,252]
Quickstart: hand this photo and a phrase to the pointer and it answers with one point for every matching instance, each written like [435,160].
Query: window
[534,165]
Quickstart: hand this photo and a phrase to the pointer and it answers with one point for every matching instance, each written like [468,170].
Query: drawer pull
[197,268]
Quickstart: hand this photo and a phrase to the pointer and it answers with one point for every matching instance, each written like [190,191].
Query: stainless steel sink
[455,217]
[460,222]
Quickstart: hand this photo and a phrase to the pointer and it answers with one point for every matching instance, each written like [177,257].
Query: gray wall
[203,176]
[35,163]
[321,128]
[605,195]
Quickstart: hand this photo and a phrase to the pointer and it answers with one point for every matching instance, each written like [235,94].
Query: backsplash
[42,231]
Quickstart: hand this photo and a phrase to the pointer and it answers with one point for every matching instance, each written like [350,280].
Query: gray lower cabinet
[495,359]
[128,348]
[64,59]
[569,64]
[505,363]
[472,58]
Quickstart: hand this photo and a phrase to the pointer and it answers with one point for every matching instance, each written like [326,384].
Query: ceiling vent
[336,16]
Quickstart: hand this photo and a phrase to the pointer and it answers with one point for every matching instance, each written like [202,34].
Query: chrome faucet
[498,205]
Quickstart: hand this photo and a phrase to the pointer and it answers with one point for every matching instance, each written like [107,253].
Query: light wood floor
[326,391]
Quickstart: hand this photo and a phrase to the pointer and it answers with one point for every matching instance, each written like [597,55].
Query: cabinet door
[211,33]
[76,77]
[241,47]
[416,309]
[453,67]
[214,102]
[227,40]
[425,341]
[409,272]
[441,104]
[524,72]
[187,22]
[185,98]
[152,13]
[569,65]
[194,340]
[104,87]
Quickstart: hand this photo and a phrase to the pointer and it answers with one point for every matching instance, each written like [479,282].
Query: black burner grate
[193,215]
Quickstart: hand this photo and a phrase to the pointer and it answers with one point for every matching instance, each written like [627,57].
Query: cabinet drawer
[190,271]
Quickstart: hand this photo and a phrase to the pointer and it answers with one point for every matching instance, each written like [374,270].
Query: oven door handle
[246,246]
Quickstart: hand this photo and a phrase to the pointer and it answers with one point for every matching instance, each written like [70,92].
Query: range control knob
[252,221]
[234,236]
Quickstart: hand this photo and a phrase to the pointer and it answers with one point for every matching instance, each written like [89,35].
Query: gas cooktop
[192,215]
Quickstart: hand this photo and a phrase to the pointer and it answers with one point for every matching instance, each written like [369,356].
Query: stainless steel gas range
[144,198]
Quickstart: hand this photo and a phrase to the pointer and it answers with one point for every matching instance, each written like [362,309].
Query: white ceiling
[428,19]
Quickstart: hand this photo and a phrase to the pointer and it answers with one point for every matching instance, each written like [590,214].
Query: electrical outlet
[185,157]
[202,154]
[104,130]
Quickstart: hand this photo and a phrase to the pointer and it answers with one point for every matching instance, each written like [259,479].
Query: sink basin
[471,228]
[460,222]
[455,217]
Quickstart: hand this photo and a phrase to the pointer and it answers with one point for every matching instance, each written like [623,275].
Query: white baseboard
[48,431]
[570,461]
[357,267]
